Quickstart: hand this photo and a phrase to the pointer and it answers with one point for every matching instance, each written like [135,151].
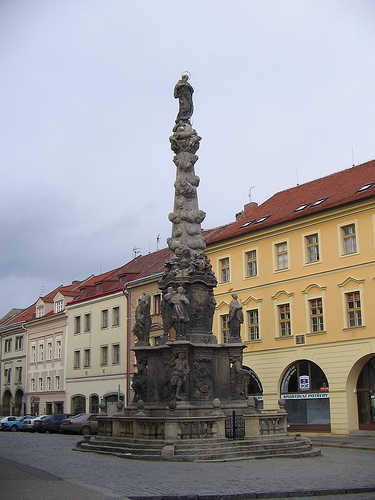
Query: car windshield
[77,416]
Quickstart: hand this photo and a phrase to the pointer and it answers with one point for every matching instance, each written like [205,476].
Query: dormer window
[302,207]
[99,287]
[83,292]
[365,187]
[319,202]
[247,223]
[40,312]
[59,306]
[262,219]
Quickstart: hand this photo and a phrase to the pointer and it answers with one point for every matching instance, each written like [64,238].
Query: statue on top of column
[183,91]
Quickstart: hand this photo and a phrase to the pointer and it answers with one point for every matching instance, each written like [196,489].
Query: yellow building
[303,266]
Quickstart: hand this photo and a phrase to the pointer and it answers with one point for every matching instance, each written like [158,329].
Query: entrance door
[366,409]
[366,396]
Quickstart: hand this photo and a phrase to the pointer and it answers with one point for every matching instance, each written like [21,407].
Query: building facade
[100,321]
[13,336]
[47,352]
[303,266]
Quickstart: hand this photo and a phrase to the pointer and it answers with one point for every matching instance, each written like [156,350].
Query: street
[50,459]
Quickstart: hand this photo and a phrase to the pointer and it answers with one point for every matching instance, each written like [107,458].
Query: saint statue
[183,91]
[143,321]
[235,319]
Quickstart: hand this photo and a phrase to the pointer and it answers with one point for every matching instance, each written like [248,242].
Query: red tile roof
[335,190]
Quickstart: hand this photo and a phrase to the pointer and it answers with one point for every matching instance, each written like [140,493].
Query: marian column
[188,281]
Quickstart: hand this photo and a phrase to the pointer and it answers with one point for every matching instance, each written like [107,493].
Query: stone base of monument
[176,435]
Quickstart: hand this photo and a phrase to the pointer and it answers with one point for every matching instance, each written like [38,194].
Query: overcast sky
[283,92]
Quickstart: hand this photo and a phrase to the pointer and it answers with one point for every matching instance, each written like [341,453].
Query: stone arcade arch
[366,396]
[19,403]
[7,400]
[254,388]
[304,386]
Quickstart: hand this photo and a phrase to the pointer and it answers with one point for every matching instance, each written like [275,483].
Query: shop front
[305,390]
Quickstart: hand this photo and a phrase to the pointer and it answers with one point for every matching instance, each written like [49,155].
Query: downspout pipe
[127,295]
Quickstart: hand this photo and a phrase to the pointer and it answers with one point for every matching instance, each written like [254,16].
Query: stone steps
[201,450]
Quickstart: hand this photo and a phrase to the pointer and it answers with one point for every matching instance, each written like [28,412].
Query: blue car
[12,423]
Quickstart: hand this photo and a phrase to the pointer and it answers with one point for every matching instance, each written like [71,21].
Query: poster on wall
[304,383]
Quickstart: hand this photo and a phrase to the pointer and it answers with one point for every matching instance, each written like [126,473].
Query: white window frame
[245,262]
[221,269]
[275,255]
[305,246]
[340,235]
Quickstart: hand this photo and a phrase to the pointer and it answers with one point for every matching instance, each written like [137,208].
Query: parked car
[28,424]
[38,422]
[11,423]
[83,423]
[52,422]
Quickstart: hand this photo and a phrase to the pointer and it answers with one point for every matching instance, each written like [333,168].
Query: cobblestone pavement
[336,471]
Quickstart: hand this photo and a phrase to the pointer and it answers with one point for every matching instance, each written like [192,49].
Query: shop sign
[292,370]
[304,383]
[312,395]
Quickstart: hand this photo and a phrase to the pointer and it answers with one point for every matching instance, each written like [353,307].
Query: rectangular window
[77,324]
[19,343]
[349,239]
[77,359]
[105,318]
[57,383]
[19,375]
[87,325]
[33,353]
[104,355]
[316,315]
[251,263]
[253,318]
[284,320]
[40,384]
[353,309]
[8,345]
[312,248]
[40,312]
[58,349]
[32,384]
[59,306]
[224,327]
[87,358]
[8,375]
[49,383]
[49,351]
[115,354]
[41,352]
[282,255]
[157,303]
[116,316]
[224,270]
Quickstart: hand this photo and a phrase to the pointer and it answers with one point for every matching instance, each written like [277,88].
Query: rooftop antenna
[252,187]
[353,157]
[136,252]
[41,291]
[157,242]
[297,176]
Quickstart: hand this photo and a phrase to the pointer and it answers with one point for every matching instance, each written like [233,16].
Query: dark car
[38,423]
[52,422]
[83,423]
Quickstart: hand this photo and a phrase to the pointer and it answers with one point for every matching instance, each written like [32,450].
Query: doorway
[366,396]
